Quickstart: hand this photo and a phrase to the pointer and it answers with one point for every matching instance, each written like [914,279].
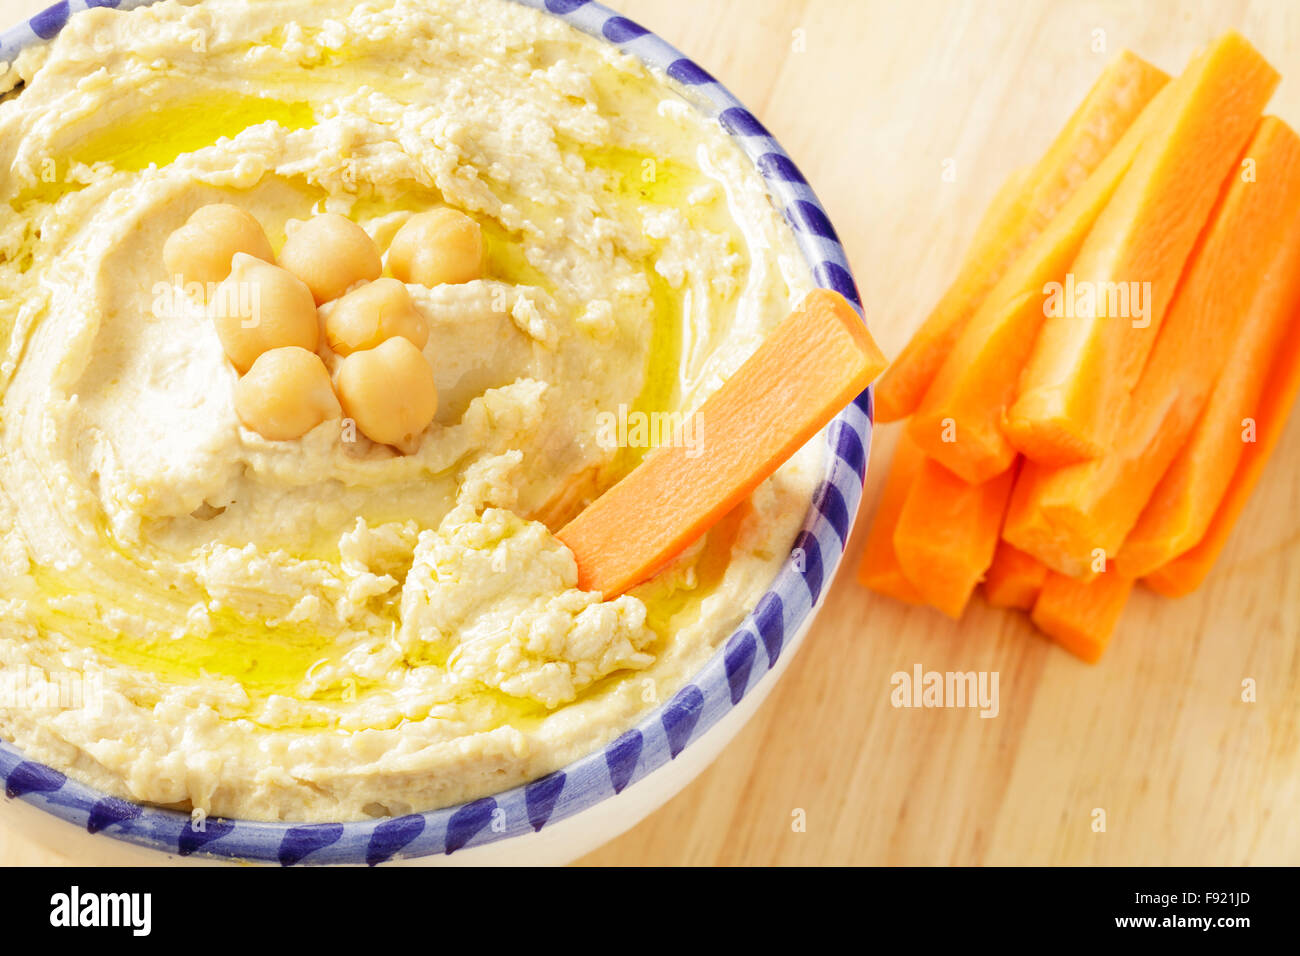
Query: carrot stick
[1240,281]
[1110,106]
[1184,503]
[880,569]
[1081,615]
[947,532]
[807,369]
[959,422]
[1185,573]
[1088,358]
[1007,202]
[1014,578]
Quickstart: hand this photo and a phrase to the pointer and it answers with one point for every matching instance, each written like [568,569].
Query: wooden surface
[872,99]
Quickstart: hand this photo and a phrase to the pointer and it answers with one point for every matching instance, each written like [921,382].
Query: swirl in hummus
[325,630]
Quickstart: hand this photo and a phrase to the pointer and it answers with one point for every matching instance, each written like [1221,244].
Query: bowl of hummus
[318,319]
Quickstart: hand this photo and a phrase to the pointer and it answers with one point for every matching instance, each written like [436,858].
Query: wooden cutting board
[877,100]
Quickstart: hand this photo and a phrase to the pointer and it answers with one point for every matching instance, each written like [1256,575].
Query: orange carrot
[947,532]
[959,421]
[1081,615]
[1186,572]
[1240,281]
[1110,106]
[1185,501]
[1090,353]
[880,569]
[1007,202]
[806,370]
[1014,578]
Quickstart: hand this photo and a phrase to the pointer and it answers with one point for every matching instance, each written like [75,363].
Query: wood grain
[871,98]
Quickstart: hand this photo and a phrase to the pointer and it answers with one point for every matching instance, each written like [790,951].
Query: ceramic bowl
[563,815]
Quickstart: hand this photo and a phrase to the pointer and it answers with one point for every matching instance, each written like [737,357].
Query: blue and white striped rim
[735,670]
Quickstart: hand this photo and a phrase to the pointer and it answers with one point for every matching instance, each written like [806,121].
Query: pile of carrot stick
[1093,399]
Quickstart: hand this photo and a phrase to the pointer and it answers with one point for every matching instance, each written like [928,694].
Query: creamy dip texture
[315,629]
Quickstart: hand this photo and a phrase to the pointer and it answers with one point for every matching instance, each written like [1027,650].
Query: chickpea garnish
[436,247]
[261,307]
[389,392]
[201,250]
[330,253]
[371,314]
[267,319]
[286,394]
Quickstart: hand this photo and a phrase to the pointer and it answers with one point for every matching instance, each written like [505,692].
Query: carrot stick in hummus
[811,365]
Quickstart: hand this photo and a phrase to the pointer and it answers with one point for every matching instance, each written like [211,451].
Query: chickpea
[330,253]
[261,307]
[371,314]
[286,394]
[389,392]
[438,246]
[201,250]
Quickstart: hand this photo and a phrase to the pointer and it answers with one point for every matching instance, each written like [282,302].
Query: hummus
[326,630]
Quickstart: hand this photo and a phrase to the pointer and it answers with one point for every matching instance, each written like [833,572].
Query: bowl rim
[740,662]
